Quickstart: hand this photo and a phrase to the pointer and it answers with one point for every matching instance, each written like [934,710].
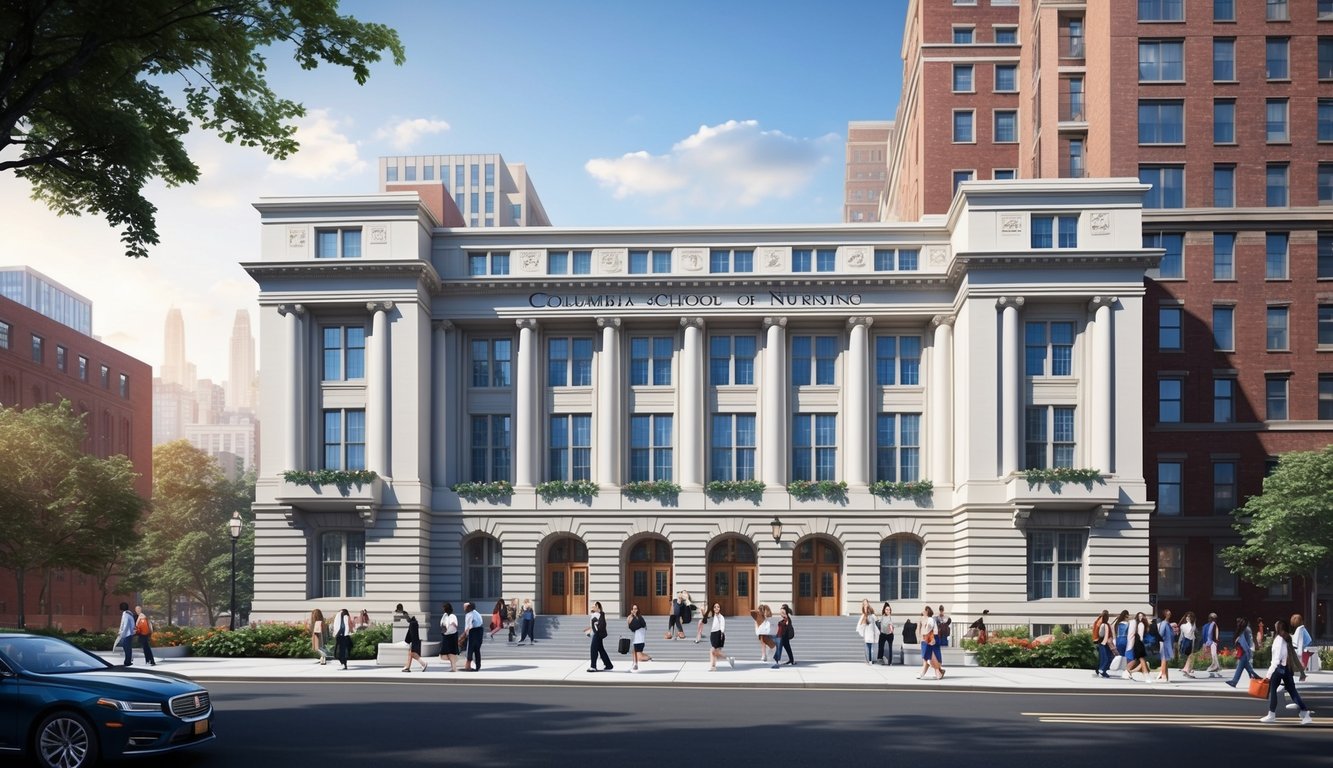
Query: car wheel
[65,740]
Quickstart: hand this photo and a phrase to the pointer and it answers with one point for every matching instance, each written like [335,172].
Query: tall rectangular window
[1324,120]
[814,446]
[1006,78]
[1224,401]
[813,360]
[826,260]
[1055,559]
[1161,60]
[1276,10]
[105,377]
[1161,122]
[1324,332]
[492,447]
[1224,186]
[731,360]
[1076,102]
[1170,569]
[344,352]
[1170,485]
[1169,337]
[1275,185]
[1325,60]
[1324,256]
[1276,329]
[1224,121]
[492,362]
[1170,400]
[962,78]
[1224,486]
[650,360]
[1275,256]
[124,386]
[732,447]
[962,126]
[1276,58]
[1224,59]
[1275,124]
[802,260]
[898,447]
[1325,397]
[83,368]
[4,335]
[1049,437]
[344,439]
[1172,264]
[1052,341]
[1006,126]
[897,360]
[410,173]
[1224,10]
[1224,330]
[569,362]
[38,349]
[1224,255]
[1324,183]
[569,447]
[62,354]
[342,557]
[1168,186]
[650,452]
[1275,398]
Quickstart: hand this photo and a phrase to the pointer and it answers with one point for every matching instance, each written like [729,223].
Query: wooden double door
[732,573]
[648,577]
[817,578]
[566,578]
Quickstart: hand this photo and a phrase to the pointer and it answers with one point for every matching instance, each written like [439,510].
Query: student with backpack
[143,629]
[1208,642]
[1244,651]
[1101,629]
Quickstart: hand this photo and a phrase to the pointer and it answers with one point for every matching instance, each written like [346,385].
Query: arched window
[732,550]
[568,550]
[649,551]
[483,577]
[900,568]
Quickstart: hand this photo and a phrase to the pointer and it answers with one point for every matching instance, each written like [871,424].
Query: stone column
[1103,380]
[941,403]
[690,456]
[442,438]
[773,453]
[609,430]
[294,406]
[377,390]
[525,410]
[1011,381]
[856,468]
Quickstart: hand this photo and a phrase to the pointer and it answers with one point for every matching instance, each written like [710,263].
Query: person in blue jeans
[1279,673]
[1099,638]
[1245,651]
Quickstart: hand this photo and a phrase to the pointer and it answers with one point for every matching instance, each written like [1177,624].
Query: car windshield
[45,655]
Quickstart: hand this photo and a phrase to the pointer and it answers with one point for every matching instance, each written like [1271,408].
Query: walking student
[342,637]
[639,627]
[449,636]
[943,629]
[1244,651]
[868,629]
[528,620]
[143,629]
[1101,631]
[1208,642]
[786,631]
[763,630]
[597,631]
[1188,633]
[1279,672]
[885,635]
[319,635]
[125,637]
[413,640]
[928,660]
[717,639]
[1168,646]
[674,626]
[1300,641]
[472,625]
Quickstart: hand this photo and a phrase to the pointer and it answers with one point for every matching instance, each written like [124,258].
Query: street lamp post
[234,527]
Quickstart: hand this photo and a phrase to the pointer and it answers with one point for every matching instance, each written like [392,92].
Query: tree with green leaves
[96,96]
[59,507]
[1287,530]
[187,546]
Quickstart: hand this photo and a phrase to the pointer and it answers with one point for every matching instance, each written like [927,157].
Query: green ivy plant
[662,490]
[339,477]
[721,490]
[818,489]
[490,491]
[912,489]
[551,490]
[1058,476]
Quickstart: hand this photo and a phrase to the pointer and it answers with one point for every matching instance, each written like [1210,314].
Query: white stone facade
[445,346]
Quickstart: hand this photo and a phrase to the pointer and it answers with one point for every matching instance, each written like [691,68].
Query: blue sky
[626,113]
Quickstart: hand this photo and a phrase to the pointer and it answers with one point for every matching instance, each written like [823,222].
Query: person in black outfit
[597,631]
[413,640]
[786,631]
[909,633]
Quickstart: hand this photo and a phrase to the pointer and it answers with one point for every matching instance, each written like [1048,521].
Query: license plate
[201,727]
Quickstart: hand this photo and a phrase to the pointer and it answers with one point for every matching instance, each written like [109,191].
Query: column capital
[379,306]
[946,320]
[442,325]
[608,322]
[526,323]
[855,321]
[1010,301]
[1103,301]
[781,322]
[691,322]
[291,309]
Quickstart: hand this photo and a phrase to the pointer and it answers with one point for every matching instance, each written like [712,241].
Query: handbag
[623,646]
[1259,687]
[1117,664]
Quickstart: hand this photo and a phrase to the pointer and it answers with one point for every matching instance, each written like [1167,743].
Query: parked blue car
[67,707]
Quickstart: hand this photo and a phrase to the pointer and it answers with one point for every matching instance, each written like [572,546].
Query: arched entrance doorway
[731,576]
[648,577]
[817,578]
[566,577]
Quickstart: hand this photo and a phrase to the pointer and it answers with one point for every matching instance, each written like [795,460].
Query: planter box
[1018,491]
[365,498]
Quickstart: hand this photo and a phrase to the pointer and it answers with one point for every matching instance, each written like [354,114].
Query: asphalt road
[415,723]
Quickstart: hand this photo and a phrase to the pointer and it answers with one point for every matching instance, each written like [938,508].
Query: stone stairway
[818,639]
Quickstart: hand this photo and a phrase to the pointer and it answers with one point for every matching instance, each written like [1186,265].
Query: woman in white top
[1188,632]
[927,632]
[449,641]
[868,629]
[717,638]
[1300,641]
[885,635]
[1279,671]
[639,627]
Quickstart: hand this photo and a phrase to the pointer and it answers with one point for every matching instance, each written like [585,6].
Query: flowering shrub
[1014,648]
[170,636]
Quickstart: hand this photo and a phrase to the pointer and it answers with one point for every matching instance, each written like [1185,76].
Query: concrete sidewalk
[747,673]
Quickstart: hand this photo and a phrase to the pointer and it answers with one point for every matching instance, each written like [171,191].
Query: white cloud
[326,152]
[732,165]
[403,135]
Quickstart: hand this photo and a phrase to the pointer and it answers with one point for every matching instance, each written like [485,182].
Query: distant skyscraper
[867,166]
[175,369]
[241,372]
[467,190]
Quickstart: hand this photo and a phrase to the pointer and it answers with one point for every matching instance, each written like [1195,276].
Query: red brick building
[1226,109]
[45,361]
